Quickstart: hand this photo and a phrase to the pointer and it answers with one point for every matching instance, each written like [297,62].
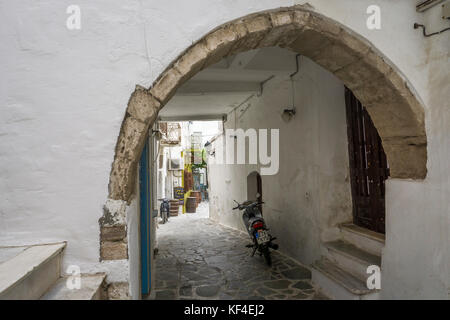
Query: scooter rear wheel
[267,256]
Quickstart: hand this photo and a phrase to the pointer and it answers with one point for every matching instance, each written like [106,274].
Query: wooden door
[368,167]
[259,187]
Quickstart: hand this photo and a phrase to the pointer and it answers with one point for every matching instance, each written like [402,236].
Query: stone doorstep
[92,288]
[22,266]
[362,238]
[350,227]
[355,287]
[351,258]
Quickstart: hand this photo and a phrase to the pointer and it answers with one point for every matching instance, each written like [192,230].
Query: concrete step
[362,238]
[31,272]
[7,253]
[92,288]
[339,284]
[351,258]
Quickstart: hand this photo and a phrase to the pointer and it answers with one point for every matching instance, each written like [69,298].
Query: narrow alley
[200,259]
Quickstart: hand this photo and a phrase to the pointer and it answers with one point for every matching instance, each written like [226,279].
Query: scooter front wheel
[164,216]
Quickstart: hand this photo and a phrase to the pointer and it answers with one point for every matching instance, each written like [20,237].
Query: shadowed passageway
[200,259]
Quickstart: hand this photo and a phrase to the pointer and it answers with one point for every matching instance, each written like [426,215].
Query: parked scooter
[164,210]
[257,230]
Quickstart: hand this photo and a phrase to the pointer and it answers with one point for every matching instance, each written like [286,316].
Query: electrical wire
[417,25]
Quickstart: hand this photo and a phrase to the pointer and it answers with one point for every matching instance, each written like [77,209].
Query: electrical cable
[417,25]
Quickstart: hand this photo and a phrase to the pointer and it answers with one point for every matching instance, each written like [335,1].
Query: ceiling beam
[200,87]
[193,117]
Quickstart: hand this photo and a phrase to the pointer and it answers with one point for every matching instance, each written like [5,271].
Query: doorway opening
[369,168]
[254,187]
[182,172]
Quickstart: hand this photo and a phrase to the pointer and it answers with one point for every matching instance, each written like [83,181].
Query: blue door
[144,188]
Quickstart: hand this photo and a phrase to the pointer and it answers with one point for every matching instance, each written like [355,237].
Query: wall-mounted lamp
[288,114]
[157,134]
[208,146]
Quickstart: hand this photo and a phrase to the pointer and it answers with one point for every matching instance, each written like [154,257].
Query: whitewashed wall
[63,95]
[416,260]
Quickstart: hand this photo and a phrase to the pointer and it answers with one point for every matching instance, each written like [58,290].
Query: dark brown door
[368,167]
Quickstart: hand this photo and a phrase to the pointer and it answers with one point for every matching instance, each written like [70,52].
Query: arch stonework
[389,98]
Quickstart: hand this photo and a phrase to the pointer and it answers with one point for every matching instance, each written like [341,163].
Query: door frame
[145,218]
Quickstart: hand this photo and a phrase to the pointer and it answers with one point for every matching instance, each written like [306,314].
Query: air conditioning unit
[427,4]
[175,164]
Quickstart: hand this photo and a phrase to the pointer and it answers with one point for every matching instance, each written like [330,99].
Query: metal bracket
[446,11]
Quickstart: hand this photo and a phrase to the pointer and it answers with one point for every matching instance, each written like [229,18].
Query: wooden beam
[200,87]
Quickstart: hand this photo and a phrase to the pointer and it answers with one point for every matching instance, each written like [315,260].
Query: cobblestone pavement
[200,259]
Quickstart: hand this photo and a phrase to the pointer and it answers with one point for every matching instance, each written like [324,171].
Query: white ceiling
[220,88]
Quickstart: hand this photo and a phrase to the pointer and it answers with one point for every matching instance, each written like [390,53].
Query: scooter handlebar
[242,206]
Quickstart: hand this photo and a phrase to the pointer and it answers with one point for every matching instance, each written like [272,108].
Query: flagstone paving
[200,259]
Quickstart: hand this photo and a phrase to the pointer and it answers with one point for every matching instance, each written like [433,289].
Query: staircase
[34,272]
[341,272]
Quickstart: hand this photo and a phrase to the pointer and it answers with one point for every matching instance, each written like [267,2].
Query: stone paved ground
[200,259]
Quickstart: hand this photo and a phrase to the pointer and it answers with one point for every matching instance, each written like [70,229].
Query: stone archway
[389,98]
[393,106]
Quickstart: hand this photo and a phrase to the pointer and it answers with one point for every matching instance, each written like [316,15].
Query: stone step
[92,288]
[30,273]
[339,284]
[7,253]
[362,238]
[351,258]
